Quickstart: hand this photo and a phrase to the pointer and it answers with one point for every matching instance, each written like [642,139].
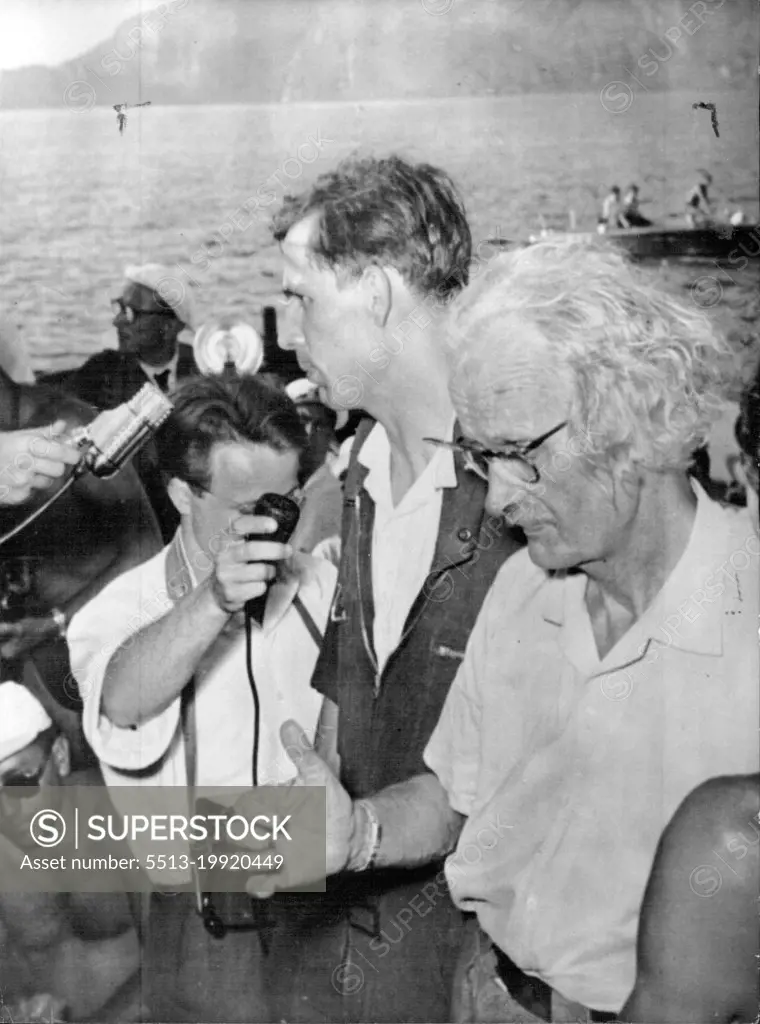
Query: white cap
[22,719]
[168,285]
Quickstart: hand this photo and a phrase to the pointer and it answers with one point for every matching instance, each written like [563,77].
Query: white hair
[650,372]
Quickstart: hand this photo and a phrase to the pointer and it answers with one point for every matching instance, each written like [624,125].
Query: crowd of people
[512,636]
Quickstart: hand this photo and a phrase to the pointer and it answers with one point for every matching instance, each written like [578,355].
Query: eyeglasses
[23,786]
[130,314]
[478,458]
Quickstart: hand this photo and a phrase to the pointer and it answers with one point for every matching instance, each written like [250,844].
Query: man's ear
[61,754]
[379,294]
[179,493]
[172,328]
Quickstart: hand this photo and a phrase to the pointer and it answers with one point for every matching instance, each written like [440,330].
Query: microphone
[285,512]
[116,434]
[106,443]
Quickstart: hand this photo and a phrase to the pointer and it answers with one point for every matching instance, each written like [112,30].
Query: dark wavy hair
[225,407]
[390,213]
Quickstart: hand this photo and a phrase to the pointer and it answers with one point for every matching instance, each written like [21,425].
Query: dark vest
[386,719]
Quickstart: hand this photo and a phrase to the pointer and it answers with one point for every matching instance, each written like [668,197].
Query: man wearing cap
[74,954]
[150,314]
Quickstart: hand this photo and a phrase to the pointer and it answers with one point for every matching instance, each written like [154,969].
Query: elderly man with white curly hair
[614,664]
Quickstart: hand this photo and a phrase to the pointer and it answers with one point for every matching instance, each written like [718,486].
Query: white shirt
[151,372]
[404,536]
[283,657]
[569,767]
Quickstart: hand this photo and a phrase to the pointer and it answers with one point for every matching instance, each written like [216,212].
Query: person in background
[64,955]
[697,940]
[95,531]
[614,663]
[149,315]
[372,255]
[136,649]
[699,206]
[631,210]
[612,215]
[322,491]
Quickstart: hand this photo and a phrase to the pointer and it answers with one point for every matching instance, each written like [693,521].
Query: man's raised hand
[242,570]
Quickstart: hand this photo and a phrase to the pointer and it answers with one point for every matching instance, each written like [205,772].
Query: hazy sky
[51,31]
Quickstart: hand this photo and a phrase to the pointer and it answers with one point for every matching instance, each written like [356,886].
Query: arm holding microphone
[78,459]
[34,460]
[167,652]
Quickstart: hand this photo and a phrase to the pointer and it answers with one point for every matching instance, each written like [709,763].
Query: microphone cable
[255,695]
[43,507]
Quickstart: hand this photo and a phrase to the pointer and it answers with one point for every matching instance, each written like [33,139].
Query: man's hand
[18,638]
[343,842]
[33,460]
[241,571]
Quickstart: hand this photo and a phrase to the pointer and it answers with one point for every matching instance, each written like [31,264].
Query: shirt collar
[666,621]
[375,456]
[668,616]
[151,372]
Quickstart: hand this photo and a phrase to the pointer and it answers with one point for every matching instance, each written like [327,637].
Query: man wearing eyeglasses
[614,663]
[154,308]
[160,658]
[149,316]
[73,956]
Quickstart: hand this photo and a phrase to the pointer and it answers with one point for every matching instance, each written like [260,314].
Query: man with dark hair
[161,660]
[372,254]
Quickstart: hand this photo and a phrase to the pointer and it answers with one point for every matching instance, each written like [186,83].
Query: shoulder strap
[177,584]
[308,621]
[187,715]
[356,472]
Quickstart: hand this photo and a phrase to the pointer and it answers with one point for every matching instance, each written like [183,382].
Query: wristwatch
[60,620]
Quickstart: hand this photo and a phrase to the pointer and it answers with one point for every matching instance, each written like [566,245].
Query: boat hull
[724,242]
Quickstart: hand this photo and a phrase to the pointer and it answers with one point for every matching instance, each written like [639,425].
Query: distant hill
[258,51]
